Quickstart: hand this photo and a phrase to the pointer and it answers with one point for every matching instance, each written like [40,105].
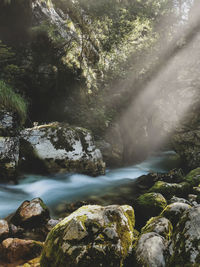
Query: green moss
[157,221]
[193,177]
[174,214]
[13,102]
[54,250]
[169,190]
[152,200]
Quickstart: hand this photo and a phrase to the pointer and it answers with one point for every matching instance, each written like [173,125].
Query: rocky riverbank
[158,226]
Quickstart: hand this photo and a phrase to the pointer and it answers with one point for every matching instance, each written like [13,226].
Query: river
[55,189]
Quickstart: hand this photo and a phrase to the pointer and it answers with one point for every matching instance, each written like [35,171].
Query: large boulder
[9,157]
[150,250]
[92,234]
[185,247]
[56,147]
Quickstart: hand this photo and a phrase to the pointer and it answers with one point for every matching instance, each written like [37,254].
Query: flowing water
[72,187]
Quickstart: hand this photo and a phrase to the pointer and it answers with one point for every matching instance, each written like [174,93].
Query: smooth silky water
[68,188]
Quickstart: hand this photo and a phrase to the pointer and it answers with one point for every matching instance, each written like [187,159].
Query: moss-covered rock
[57,147]
[149,205]
[186,240]
[193,177]
[168,190]
[151,250]
[174,211]
[92,234]
[159,225]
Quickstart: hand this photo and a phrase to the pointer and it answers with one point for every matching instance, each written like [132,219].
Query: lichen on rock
[185,247]
[9,157]
[159,225]
[149,205]
[174,211]
[61,148]
[103,234]
[169,190]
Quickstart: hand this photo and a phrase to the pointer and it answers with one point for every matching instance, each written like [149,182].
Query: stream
[56,189]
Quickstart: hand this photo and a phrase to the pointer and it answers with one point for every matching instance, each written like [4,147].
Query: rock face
[9,146]
[150,250]
[186,240]
[187,145]
[8,124]
[14,249]
[92,233]
[56,147]
[9,157]
[31,214]
[112,147]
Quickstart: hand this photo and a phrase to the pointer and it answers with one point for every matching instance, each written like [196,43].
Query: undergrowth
[11,101]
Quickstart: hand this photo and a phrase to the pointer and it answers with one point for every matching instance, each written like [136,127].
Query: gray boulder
[91,236]
[150,250]
[174,211]
[185,247]
[57,147]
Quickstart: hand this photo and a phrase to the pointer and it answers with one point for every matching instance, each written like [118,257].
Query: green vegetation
[11,101]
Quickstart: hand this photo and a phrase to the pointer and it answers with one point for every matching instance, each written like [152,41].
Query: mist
[162,103]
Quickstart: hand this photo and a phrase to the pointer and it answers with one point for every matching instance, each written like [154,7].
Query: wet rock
[31,214]
[14,249]
[147,206]
[103,235]
[174,211]
[4,229]
[159,225]
[56,147]
[168,190]
[9,157]
[185,247]
[150,250]
[145,182]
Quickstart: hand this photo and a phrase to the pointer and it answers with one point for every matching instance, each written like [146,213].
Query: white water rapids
[72,187]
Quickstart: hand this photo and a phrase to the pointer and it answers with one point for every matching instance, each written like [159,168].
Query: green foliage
[13,102]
